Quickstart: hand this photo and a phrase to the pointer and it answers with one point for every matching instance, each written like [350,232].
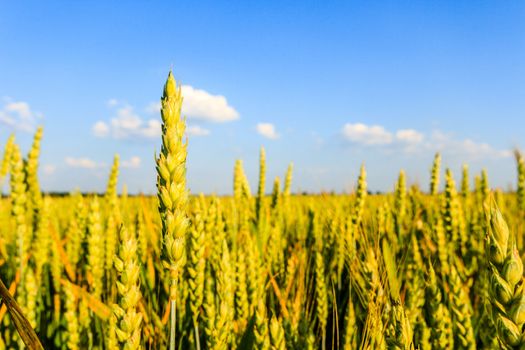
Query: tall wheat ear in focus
[172,192]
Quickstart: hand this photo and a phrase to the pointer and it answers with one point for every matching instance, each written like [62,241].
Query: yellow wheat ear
[172,192]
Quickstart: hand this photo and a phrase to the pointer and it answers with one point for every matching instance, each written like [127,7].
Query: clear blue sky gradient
[308,67]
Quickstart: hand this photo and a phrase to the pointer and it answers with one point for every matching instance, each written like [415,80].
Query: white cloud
[49,169]
[127,124]
[413,141]
[197,104]
[84,163]
[195,130]
[446,143]
[100,129]
[367,135]
[151,129]
[318,140]
[19,115]
[133,163]
[202,105]
[20,108]
[409,136]
[153,108]
[267,130]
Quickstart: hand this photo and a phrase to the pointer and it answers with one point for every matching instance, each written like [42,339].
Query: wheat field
[412,269]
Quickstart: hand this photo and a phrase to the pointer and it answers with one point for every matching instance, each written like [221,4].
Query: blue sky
[327,85]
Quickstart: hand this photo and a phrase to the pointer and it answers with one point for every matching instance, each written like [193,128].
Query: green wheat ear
[399,334]
[129,318]
[434,177]
[437,314]
[6,160]
[506,286]
[465,182]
